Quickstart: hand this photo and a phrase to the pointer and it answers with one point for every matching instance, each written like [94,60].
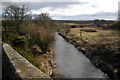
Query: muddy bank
[99,56]
[47,64]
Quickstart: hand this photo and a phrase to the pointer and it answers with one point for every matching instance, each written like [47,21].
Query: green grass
[28,55]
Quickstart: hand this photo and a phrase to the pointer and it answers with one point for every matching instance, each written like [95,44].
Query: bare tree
[16,14]
[45,20]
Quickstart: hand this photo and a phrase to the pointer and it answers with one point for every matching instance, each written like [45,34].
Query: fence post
[80,35]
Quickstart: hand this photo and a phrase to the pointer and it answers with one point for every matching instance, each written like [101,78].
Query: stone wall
[16,67]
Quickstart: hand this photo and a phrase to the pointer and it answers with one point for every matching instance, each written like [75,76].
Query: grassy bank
[100,46]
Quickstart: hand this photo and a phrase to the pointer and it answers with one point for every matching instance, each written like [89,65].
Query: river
[72,63]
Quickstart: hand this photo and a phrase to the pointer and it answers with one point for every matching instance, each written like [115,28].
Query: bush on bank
[43,37]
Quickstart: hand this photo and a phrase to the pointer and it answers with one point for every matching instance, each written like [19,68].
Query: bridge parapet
[16,67]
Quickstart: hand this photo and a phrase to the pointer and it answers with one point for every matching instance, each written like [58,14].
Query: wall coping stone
[23,67]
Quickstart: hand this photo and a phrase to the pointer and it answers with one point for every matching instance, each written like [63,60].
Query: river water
[72,63]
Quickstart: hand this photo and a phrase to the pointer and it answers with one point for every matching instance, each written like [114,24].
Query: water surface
[72,63]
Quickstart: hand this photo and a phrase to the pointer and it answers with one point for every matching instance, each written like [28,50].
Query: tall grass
[43,37]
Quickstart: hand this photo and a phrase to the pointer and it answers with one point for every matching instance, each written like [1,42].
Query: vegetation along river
[72,63]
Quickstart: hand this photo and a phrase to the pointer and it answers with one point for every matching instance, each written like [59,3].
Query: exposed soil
[46,63]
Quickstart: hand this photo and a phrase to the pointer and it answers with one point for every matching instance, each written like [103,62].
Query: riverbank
[101,55]
[46,63]
[32,52]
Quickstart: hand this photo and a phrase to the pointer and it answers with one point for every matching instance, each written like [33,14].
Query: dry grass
[95,36]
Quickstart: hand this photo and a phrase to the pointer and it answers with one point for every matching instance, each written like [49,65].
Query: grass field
[100,34]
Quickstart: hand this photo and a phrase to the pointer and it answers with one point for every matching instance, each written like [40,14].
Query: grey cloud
[100,15]
[119,10]
[104,14]
[55,5]
[38,5]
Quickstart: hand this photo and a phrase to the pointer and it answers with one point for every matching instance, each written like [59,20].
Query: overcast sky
[73,10]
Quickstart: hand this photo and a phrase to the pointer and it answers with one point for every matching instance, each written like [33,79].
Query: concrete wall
[16,67]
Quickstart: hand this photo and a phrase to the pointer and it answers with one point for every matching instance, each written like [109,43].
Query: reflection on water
[72,63]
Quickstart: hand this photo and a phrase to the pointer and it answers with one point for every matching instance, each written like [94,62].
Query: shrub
[17,41]
[115,25]
[43,37]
